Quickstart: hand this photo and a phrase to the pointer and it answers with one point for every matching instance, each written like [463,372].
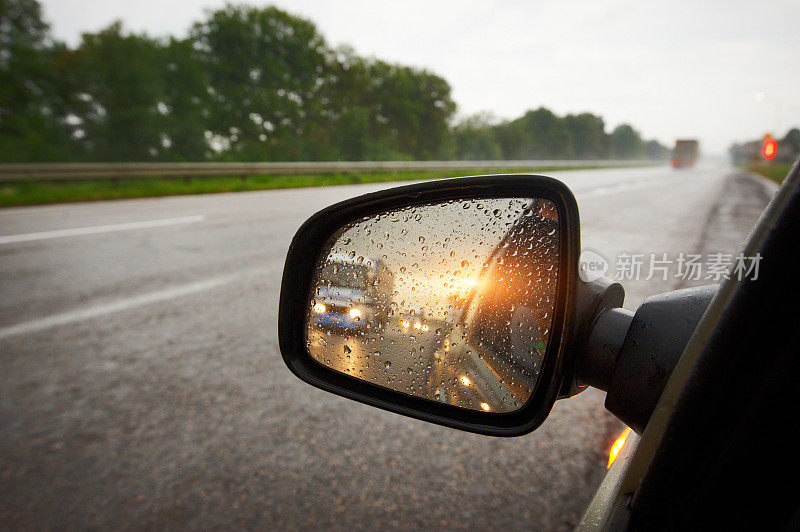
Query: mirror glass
[450,301]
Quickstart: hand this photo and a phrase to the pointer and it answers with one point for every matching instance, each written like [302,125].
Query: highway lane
[142,383]
[231,233]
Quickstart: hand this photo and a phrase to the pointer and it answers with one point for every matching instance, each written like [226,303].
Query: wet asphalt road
[355,354]
[141,383]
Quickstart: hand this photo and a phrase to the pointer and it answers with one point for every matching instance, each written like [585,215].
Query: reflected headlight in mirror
[485,407]
[354,313]
[319,308]
[417,325]
[465,380]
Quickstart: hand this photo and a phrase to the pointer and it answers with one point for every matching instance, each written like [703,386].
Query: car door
[720,449]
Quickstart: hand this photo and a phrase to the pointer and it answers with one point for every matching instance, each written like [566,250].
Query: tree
[538,134]
[186,105]
[411,107]
[789,146]
[474,138]
[587,136]
[32,77]
[792,137]
[655,151]
[626,142]
[377,110]
[351,109]
[266,69]
[123,88]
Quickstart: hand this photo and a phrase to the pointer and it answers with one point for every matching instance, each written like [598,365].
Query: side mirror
[450,301]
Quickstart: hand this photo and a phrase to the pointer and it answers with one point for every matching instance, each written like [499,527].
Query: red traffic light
[769,148]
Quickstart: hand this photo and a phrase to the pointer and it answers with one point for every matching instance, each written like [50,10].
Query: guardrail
[89,171]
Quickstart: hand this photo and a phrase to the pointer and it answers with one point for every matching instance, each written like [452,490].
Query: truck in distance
[685,153]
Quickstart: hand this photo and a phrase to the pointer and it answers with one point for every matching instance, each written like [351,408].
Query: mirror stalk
[594,298]
[631,356]
[602,348]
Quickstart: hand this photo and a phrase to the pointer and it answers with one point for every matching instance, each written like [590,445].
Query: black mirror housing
[315,234]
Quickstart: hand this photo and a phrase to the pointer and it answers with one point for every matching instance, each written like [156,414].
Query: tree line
[252,84]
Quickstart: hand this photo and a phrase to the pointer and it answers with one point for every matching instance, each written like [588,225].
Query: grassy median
[36,193]
[776,172]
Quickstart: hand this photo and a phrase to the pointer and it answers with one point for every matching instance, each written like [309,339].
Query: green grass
[776,172]
[36,193]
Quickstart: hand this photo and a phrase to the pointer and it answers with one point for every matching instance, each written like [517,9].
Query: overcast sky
[713,70]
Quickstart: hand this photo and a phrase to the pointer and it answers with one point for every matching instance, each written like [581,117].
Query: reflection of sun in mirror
[450,301]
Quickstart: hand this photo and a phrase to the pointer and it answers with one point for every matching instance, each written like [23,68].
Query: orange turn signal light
[619,443]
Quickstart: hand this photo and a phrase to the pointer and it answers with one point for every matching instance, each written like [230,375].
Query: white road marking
[96,311]
[98,229]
